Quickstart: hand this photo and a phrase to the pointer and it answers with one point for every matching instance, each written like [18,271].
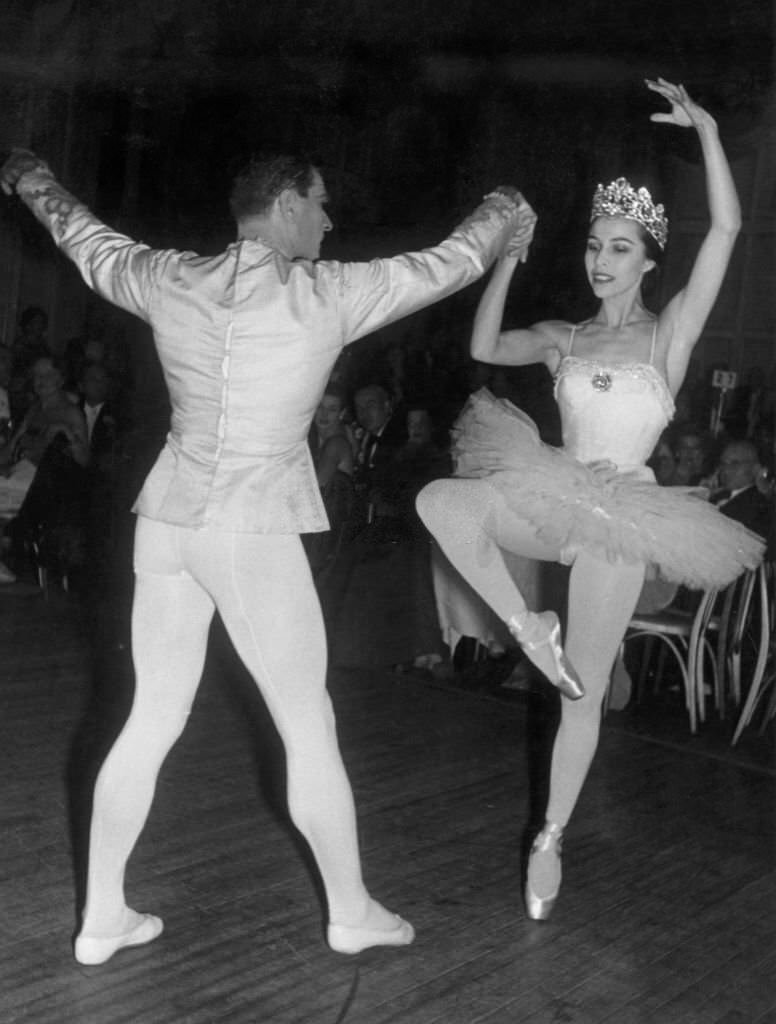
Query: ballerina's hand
[684,112]
[518,243]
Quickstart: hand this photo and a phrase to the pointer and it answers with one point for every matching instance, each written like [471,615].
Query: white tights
[473,523]
[262,588]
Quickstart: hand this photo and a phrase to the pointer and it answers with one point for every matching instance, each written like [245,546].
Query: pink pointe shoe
[92,950]
[539,636]
[547,845]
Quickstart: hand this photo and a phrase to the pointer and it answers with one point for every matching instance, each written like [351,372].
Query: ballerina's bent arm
[489,344]
[682,320]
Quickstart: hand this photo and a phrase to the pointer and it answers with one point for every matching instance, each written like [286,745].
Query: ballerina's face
[616,257]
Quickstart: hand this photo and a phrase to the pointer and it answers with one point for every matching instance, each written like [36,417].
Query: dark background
[412,109]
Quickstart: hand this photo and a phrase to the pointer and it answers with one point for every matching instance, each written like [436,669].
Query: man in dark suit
[385,431]
[106,506]
[384,427]
[740,473]
[99,409]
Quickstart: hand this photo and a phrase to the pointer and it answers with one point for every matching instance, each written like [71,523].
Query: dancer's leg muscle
[473,524]
[602,597]
[170,619]
[266,598]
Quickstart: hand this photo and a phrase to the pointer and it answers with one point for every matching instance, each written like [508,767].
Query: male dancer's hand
[18,163]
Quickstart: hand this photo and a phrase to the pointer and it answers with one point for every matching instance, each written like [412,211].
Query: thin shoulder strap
[571,338]
[652,346]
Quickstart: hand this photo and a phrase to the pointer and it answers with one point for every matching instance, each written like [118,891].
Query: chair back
[685,634]
[752,633]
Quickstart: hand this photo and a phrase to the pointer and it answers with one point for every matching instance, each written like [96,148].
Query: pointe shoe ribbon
[539,636]
[548,843]
[345,939]
[92,950]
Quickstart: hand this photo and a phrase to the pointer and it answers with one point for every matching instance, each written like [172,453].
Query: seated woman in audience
[51,442]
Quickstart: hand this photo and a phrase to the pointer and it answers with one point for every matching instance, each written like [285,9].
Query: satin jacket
[247,340]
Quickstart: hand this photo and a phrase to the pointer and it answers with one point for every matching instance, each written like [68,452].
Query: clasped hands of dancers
[510,493]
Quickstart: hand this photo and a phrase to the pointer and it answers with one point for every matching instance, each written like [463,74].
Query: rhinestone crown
[621,199]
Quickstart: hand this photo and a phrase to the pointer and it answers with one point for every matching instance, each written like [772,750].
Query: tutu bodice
[613,412]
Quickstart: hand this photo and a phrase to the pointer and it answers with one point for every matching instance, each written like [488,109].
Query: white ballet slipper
[92,950]
[344,939]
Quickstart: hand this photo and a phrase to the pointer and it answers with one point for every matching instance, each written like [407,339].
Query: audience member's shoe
[520,679]
[6,576]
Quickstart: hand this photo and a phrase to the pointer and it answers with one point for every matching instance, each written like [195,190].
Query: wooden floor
[668,910]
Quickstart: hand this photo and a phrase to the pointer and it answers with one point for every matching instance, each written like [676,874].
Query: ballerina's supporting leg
[473,525]
[602,597]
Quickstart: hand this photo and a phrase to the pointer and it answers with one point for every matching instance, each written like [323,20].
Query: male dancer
[246,340]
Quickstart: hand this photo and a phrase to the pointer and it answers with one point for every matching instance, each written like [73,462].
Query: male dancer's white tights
[472,522]
[262,588]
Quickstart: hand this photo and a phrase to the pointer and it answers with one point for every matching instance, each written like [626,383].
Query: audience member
[693,454]
[52,417]
[44,460]
[381,600]
[662,461]
[30,344]
[333,457]
[383,430]
[744,489]
[100,412]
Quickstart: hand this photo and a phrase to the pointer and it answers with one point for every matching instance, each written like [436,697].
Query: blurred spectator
[380,602]
[30,344]
[31,341]
[420,459]
[744,490]
[333,457]
[101,413]
[51,420]
[106,508]
[44,463]
[693,453]
[662,461]
[383,431]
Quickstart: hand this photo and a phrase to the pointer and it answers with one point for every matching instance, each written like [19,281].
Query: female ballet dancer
[593,504]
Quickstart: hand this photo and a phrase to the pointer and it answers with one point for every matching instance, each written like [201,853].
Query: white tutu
[619,516]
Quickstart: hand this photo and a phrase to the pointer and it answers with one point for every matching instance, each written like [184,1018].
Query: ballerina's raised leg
[473,524]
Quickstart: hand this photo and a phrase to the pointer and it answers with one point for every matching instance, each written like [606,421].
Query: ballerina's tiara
[621,199]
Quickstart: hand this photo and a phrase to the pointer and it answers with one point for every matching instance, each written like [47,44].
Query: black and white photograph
[387,512]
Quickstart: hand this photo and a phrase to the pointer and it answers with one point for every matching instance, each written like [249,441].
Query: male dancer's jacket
[247,340]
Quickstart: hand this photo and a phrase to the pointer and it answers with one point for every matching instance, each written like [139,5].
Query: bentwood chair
[751,643]
[686,634]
